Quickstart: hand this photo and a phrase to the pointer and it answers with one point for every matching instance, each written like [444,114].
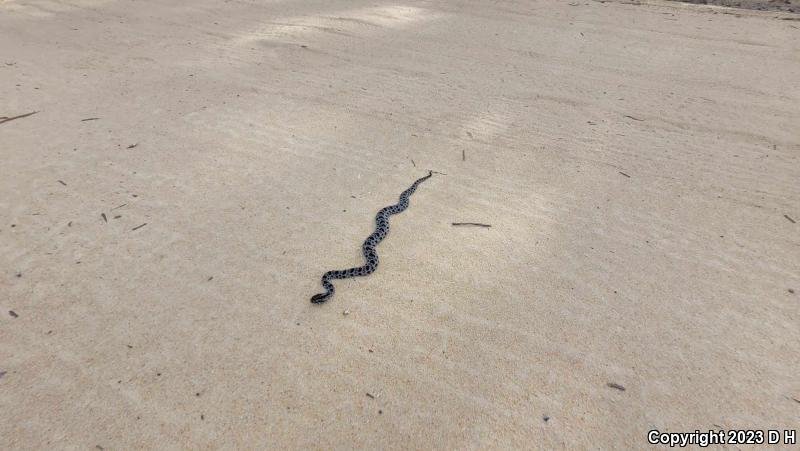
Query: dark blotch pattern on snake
[368,248]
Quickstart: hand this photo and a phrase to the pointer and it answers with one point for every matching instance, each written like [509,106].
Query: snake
[368,248]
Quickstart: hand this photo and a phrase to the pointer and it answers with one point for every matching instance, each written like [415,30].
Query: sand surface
[792,6]
[638,165]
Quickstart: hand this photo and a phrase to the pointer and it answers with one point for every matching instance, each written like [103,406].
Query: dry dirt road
[195,166]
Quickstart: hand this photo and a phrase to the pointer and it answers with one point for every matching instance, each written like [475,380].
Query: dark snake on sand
[368,248]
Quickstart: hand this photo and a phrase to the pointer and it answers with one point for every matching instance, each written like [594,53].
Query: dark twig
[616,386]
[413,164]
[478,224]
[90,119]
[139,226]
[103,215]
[790,219]
[634,118]
[5,119]
[626,175]
[463,155]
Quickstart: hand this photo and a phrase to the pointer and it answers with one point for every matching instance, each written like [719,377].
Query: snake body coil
[368,248]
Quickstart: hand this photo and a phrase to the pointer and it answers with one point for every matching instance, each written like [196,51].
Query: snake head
[319,298]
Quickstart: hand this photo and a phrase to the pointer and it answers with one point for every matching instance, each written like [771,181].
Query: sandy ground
[792,6]
[638,165]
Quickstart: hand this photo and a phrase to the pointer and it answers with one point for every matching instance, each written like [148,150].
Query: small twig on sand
[413,164]
[478,224]
[4,119]
[790,219]
[103,215]
[634,118]
[132,146]
[437,172]
[616,386]
[626,175]
[139,226]
[90,119]
[463,155]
